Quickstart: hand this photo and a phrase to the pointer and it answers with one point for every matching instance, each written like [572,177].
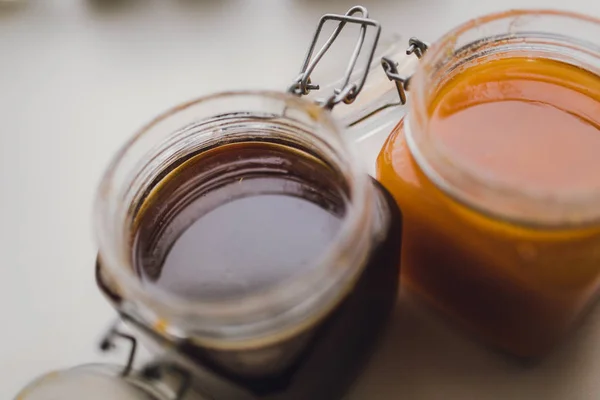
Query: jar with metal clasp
[495,168]
[245,244]
[493,162]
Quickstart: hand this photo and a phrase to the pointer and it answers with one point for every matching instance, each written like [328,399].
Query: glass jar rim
[114,255]
[75,381]
[513,203]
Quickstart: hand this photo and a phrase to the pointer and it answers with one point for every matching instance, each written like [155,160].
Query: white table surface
[78,77]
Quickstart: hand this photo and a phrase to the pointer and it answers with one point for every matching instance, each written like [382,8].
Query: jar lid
[90,382]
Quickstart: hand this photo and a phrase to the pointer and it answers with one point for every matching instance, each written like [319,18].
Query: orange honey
[520,122]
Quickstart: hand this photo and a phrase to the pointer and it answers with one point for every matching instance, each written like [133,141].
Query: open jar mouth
[566,37]
[208,123]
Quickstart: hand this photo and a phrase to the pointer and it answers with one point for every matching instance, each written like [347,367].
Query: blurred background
[78,77]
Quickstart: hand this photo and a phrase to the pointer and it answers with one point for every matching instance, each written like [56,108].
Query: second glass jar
[495,168]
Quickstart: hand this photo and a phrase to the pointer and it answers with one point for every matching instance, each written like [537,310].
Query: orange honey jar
[496,169]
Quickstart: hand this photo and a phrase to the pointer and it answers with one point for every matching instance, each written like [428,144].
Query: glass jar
[303,333]
[501,239]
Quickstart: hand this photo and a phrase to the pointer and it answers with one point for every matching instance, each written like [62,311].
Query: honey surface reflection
[529,123]
[523,122]
[247,233]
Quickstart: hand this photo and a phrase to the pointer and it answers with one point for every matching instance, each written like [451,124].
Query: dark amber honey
[227,240]
[259,227]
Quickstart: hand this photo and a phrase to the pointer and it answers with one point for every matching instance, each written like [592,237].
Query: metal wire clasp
[151,372]
[390,67]
[347,93]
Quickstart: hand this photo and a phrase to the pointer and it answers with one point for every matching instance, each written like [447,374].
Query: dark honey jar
[242,228]
[242,240]
[242,232]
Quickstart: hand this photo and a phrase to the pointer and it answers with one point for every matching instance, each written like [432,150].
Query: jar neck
[281,309]
[559,36]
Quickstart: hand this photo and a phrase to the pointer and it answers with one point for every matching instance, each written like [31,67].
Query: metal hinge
[348,91]
[390,67]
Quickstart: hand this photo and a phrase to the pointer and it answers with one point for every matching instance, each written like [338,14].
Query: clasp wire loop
[108,343]
[390,67]
[347,93]
[151,372]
